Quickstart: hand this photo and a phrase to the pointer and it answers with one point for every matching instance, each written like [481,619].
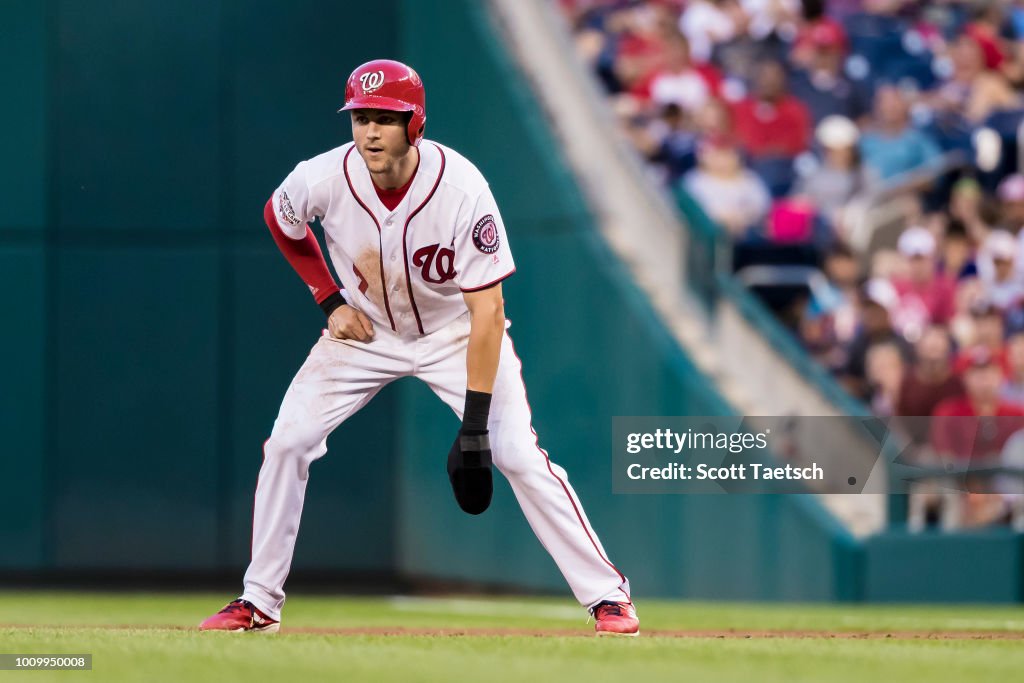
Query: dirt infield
[734,634]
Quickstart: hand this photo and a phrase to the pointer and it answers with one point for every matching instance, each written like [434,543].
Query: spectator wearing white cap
[999,271]
[926,296]
[840,176]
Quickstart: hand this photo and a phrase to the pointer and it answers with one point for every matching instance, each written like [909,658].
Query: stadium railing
[709,275]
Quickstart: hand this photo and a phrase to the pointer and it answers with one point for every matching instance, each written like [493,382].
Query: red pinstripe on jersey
[405,242]
[380,246]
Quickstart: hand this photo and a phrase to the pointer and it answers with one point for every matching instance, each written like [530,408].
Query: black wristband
[332,303]
[474,417]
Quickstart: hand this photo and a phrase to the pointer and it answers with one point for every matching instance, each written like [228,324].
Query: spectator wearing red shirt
[976,424]
[678,80]
[984,30]
[989,332]
[932,379]
[926,296]
[772,123]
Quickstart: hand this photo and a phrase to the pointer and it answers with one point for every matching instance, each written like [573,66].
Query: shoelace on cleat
[610,609]
[236,605]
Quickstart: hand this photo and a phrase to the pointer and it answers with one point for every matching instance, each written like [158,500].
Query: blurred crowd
[784,118]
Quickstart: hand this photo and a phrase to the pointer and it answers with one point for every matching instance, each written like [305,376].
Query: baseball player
[418,243]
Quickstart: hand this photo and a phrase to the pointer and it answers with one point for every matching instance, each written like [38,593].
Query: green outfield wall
[151,327]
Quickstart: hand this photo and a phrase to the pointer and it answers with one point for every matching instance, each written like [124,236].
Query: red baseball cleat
[240,615]
[616,619]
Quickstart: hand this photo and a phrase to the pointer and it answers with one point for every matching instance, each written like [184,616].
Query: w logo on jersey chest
[441,261]
[371,81]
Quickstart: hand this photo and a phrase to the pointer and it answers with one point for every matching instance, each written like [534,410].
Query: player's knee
[294,444]
[519,461]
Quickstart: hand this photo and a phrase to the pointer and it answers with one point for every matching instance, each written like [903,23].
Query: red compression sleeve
[304,256]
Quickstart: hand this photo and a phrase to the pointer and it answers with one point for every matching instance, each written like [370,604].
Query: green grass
[158,649]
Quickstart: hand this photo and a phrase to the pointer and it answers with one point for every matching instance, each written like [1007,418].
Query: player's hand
[347,322]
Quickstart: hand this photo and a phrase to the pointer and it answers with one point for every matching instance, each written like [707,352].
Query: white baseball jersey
[406,269]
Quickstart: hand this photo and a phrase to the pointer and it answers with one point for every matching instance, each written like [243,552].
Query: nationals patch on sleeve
[285,210]
[485,235]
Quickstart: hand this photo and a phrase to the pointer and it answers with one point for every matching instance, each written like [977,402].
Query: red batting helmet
[391,85]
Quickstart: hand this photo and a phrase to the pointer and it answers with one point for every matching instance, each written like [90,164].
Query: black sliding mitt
[469,470]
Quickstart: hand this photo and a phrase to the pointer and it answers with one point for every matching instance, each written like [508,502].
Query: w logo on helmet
[371,81]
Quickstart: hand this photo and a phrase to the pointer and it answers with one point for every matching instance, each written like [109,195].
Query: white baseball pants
[338,378]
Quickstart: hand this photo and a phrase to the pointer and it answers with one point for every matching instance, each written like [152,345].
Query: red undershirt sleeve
[304,255]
